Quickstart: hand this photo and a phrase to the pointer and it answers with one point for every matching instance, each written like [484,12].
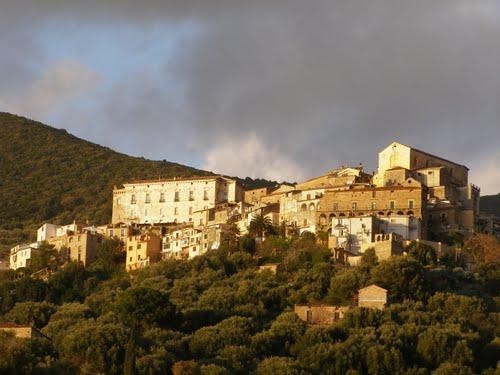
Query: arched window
[303,207]
[312,207]
[322,219]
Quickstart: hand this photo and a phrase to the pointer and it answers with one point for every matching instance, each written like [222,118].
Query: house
[77,244]
[142,250]
[21,255]
[186,242]
[373,297]
[320,314]
[20,331]
[271,267]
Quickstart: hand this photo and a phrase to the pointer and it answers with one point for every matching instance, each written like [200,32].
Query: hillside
[490,204]
[47,174]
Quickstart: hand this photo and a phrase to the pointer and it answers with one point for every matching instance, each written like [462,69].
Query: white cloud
[487,174]
[249,156]
[58,83]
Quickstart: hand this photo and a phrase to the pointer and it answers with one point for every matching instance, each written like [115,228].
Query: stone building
[173,200]
[452,203]
[319,314]
[373,297]
[79,246]
[118,231]
[20,331]
[142,250]
[407,199]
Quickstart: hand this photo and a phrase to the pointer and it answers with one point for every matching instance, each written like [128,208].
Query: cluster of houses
[412,194]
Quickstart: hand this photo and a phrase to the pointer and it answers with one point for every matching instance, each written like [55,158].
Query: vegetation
[490,204]
[47,174]
[217,314]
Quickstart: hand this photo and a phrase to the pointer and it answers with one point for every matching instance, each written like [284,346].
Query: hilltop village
[347,272]
[413,196]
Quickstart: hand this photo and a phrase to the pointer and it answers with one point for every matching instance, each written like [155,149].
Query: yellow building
[142,250]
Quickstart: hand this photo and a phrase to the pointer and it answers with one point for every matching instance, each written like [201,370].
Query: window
[176,196]
[138,246]
[354,206]
[118,201]
[132,199]
[190,210]
[176,210]
[148,198]
[130,260]
[335,207]
[374,194]
[410,203]
[392,205]
[130,248]
[374,205]
[308,196]
[205,195]
[162,197]
[191,195]
[309,316]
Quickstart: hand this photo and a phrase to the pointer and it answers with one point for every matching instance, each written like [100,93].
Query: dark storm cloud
[310,83]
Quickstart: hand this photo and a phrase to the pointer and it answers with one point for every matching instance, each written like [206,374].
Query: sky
[278,89]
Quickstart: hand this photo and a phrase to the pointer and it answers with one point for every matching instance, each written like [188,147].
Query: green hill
[490,204]
[47,174]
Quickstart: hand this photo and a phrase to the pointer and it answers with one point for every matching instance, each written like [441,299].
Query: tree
[369,258]
[45,256]
[143,307]
[260,226]
[277,366]
[482,248]
[402,276]
[425,254]
[208,341]
[31,313]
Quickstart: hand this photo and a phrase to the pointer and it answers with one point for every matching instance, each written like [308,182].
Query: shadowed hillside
[47,174]
[490,204]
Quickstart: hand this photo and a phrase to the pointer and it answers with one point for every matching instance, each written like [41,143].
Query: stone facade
[80,246]
[171,201]
[20,331]
[320,314]
[373,297]
[452,202]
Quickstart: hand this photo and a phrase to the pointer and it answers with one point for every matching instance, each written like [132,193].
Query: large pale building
[452,202]
[178,200]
